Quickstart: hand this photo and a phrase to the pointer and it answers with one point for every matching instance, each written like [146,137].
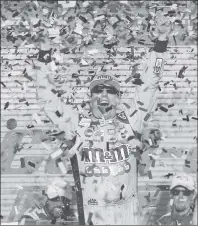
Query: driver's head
[59,194]
[105,96]
[182,191]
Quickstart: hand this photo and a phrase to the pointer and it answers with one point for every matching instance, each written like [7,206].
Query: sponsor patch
[89,132]
[122,117]
[92,202]
[111,131]
[89,171]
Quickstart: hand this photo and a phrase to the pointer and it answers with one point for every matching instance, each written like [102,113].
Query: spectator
[56,207]
[182,193]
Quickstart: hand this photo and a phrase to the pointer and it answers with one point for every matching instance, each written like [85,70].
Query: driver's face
[104,101]
[56,206]
[182,198]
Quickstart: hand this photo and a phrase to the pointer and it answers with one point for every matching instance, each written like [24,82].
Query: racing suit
[108,171]
[170,219]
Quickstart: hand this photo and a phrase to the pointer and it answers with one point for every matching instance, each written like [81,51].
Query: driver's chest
[103,138]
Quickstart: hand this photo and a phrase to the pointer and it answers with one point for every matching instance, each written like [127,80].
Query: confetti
[171,105]
[140,103]
[31,164]
[18,82]
[56,153]
[147,197]
[22,162]
[36,118]
[141,169]
[46,121]
[142,109]
[173,155]
[150,175]
[188,81]
[163,109]
[130,138]
[157,192]
[3,85]
[164,150]
[54,91]
[22,100]
[153,163]
[107,145]
[90,219]
[126,105]
[182,70]
[133,113]
[168,175]
[187,165]
[109,108]
[19,187]
[16,210]
[58,114]
[28,77]
[186,119]
[166,83]
[175,39]
[138,81]
[83,19]
[150,142]
[146,118]
[61,166]
[58,134]
[6,105]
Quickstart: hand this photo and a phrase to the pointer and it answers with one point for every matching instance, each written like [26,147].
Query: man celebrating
[106,155]
[182,193]
[107,164]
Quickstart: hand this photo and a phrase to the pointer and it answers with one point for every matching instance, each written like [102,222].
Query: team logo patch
[89,132]
[122,117]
